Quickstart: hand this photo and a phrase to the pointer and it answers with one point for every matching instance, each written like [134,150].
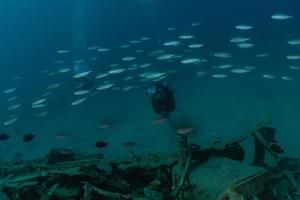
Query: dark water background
[32,32]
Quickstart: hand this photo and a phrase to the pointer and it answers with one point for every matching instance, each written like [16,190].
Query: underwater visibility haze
[76,74]
[149,99]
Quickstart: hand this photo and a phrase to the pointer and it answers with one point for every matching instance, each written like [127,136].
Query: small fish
[105,86]
[195,24]
[134,67]
[129,58]
[50,74]
[101,144]
[201,73]
[13,107]
[92,48]
[263,55]
[82,74]
[44,72]
[145,38]
[191,61]
[268,76]
[245,45]
[135,42]
[9,90]
[39,101]
[294,67]
[63,51]
[165,57]
[28,137]
[281,16]
[159,120]
[239,39]
[59,62]
[81,92]
[244,27]
[129,145]
[139,51]
[127,88]
[294,42]
[12,98]
[186,37]
[106,124]
[79,61]
[239,71]
[64,70]
[248,67]
[102,75]
[46,94]
[4,136]
[172,71]
[173,43]
[39,106]
[157,52]
[64,151]
[125,46]
[222,55]
[195,46]
[159,79]
[171,29]
[287,78]
[185,130]
[152,75]
[78,101]
[293,57]
[127,78]
[145,65]
[41,114]
[215,141]
[11,121]
[53,86]
[62,136]
[225,66]
[117,71]
[94,58]
[103,49]
[219,75]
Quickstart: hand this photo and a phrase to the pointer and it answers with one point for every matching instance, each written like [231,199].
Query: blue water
[32,32]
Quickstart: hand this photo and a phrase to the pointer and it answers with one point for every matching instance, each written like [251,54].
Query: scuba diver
[162,99]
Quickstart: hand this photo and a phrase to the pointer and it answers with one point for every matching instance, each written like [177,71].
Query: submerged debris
[215,173]
[64,175]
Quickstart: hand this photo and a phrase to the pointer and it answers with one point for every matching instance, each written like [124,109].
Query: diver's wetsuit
[162,99]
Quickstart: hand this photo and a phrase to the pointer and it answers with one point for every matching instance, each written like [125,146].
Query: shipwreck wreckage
[195,173]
